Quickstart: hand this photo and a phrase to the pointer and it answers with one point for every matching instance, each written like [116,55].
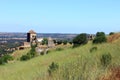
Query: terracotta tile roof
[32,32]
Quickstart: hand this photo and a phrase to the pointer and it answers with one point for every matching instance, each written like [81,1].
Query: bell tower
[31,36]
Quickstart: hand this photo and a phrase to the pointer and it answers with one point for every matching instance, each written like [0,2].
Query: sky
[60,16]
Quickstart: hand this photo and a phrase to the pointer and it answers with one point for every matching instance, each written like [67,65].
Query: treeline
[82,39]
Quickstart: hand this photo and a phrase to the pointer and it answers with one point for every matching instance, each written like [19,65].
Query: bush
[32,53]
[45,41]
[55,41]
[93,49]
[25,57]
[100,38]
[70,42]
[80,39]
[2,61]
[111,33]
[52,68]
[42,53]
[65,42]
[59,42]
[106,59]
[5,59]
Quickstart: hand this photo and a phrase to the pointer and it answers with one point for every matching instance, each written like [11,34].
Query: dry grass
[112,74]
[113,37]
[18,53]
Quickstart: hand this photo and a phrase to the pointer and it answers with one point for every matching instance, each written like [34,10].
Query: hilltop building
[31,36]
[91,37]
[32,39]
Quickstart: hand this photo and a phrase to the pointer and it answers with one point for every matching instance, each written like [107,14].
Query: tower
[50,42]
[31,36]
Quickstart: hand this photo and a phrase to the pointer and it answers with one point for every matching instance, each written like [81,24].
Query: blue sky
[60,16]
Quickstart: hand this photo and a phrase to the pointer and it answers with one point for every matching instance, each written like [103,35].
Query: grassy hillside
[18,53]
[74,64]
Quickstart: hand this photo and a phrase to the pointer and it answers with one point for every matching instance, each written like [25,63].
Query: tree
[111,33]
[45,41]
[65,42]
[54,41]
[59,42]
[32,52]
[80,39]
[5,59]
[100,38]
[70,42]
[25,57]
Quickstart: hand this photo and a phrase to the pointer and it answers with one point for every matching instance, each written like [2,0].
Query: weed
[52,68]
[106,59]
[93,49]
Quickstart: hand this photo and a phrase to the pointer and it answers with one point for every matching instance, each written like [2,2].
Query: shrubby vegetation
[9,45]
[59,42]
[93,49]
[65,42]
[80,39]
[52,68]
[111,33]
[106,59]
[74,64]
[25,57]
[45,41]
[70,42]
[5,59]
[32,53]
[100,38]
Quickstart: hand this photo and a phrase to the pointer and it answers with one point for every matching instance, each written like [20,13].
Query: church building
[31,36]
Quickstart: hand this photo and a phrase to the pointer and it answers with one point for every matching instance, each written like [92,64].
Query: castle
[32,39]
[31,36]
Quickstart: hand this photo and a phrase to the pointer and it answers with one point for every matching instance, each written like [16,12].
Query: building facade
[31,36]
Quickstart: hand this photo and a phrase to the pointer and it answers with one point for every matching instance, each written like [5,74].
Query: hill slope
[114,37]
[74,64]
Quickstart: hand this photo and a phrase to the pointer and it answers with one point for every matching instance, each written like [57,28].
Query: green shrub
[52,68]
[100,38]
[59,42]
[59,49]
[33,51]
[80,39]
[2,61]
[111,33]
[106,59]
[93,49]
[55,41]
[70,42]
[25,57]
[42,53]
[65,42]
[5,59]
[45,41]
